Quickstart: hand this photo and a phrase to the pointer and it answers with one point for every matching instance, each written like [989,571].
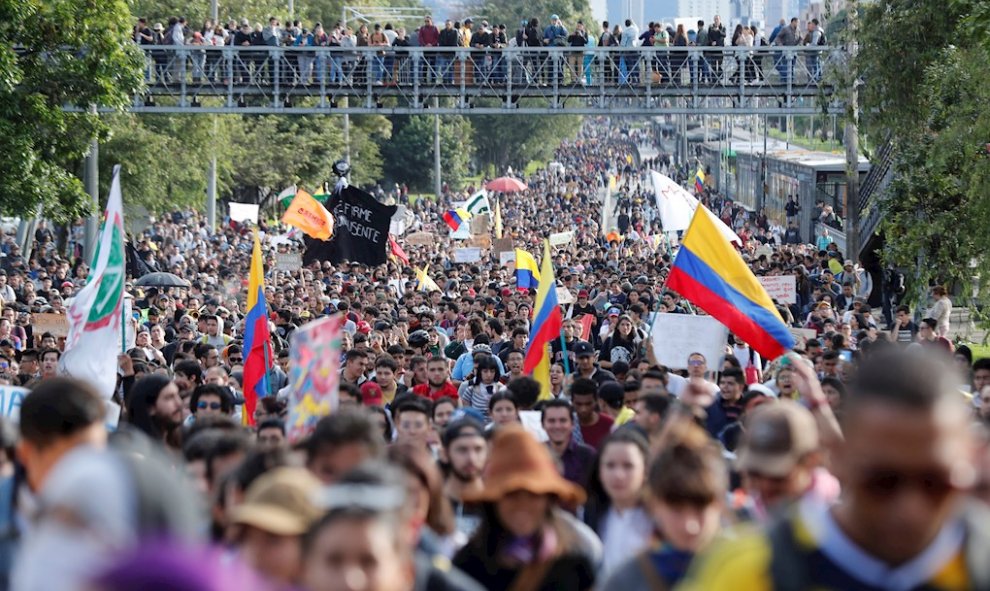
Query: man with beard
[188,376]
[466,453]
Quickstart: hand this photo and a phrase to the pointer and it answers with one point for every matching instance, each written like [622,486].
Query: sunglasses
[209,405]
[236,359]
[695,362]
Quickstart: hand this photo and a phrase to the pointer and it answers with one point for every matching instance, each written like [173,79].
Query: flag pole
[563,348]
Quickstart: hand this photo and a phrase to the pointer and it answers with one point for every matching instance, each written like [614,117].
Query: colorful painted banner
[314,375]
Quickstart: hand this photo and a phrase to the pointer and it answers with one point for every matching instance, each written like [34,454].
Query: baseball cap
[614,311]
[583,293]
[372,394]
[584,349]
[465,427]
[554,17]
[777,437]
[280,502]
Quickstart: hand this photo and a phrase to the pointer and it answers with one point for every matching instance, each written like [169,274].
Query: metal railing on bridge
[545,80]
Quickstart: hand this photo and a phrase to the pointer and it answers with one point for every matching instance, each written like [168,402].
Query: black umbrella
[161,280]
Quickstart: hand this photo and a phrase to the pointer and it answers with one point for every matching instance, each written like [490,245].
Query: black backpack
[822,40]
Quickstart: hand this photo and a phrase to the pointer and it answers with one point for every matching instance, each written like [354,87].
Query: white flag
[676,207]
[286,195]
[478,203]
[96,313]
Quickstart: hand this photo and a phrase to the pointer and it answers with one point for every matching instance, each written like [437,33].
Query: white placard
[244,212]
[471,254]
[463,232]
[561,238]
[802,335]
[676,336]
[780,287]
[506,257]
[397,225]
[288,261]
[11,398]
[564,296]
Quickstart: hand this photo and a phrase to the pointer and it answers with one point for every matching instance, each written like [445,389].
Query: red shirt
[447,390]
[595,434]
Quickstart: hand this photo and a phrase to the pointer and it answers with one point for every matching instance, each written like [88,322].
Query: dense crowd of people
[857,461]
[486,63]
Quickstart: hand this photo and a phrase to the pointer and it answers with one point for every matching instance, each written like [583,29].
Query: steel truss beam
[524,81]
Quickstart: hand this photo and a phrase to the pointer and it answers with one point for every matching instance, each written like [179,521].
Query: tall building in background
[619,10]
[692,10]
[779,9]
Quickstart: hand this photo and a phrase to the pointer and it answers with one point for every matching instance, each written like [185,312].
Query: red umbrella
[506,184]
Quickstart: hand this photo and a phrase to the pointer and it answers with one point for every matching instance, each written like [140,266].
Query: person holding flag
[546,326]
[257,340]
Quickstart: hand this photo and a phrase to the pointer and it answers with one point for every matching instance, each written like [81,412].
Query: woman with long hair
[615,507]
[687,485]
[478,391]
[523,542]
[623,344]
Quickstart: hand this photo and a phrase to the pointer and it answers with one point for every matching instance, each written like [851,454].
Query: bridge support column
[851,140]
[437,182]
[211,195]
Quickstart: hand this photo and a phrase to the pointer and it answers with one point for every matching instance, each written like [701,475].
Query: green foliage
[512,12]
[71,53]
[409,155]
[931,101]
[256,11]
[516,140]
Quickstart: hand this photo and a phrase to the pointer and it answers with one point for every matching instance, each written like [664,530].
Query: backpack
[167,38]
[822,40]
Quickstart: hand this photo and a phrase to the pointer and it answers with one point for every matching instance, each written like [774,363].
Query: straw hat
[519,462]
[280,502]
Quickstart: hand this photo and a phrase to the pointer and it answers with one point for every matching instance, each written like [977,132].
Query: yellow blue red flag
[711,274]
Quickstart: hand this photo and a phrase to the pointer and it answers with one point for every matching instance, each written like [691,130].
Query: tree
[521,139]
[512,12]
[930,101]
[68,53]
[137,143]
[409,156]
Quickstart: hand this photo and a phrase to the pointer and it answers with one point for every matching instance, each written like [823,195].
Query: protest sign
[467,255]
[564,296]
[483,241]
[675,336]
[463,232]
[288,261]
[780,287]
[561,238]
[802,335]
[479,225]
[420,239]
[314,367]
[244,212]
[397,225]
[504,258]
[11,398]
[503,245]
[57,324]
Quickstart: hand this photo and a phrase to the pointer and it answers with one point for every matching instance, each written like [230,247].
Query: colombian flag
[456,217]
[699,180]
[546,325]
[257,341]
[710,274]
[527,272]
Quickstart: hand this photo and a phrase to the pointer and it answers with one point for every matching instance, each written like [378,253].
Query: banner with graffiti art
[314,375]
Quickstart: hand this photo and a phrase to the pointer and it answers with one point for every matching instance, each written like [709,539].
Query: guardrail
[779,79]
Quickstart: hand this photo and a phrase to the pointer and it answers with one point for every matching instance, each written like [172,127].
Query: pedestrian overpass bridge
[775,81]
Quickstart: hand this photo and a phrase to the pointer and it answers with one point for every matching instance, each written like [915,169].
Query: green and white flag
[96,313]
[478,204]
